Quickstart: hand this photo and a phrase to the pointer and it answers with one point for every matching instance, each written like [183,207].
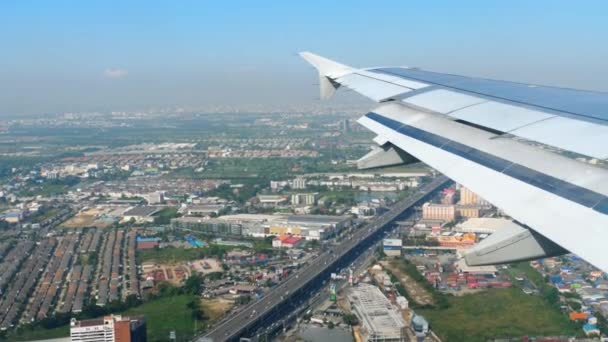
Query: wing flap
[521,180]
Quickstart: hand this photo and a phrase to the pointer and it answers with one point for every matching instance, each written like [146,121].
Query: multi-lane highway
[244,323]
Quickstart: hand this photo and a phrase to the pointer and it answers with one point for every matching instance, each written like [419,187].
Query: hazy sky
[80,55]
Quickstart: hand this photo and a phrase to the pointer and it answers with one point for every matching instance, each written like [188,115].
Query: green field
[162,316]
[497,313]
[166,314]
[38,333]
[168,255]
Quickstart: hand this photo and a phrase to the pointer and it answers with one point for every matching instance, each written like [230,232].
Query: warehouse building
[380,320]
[212,226]
[140,214]
[484,225]
[308,227]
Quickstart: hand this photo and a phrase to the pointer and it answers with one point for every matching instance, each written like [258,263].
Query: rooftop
[142,211]
[379,317]
[485,225]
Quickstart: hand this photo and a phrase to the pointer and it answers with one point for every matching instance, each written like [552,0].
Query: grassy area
[524,269]
[497,313]
[168,255]
[166,314]
[37,333]
[215,309]
[165,215]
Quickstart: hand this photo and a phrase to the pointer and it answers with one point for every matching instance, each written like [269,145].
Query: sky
[72,56]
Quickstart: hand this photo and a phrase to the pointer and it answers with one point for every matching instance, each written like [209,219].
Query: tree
[350,319]
[194,284]
[242,300]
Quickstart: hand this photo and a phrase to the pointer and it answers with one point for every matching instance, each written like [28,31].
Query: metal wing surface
[505,141]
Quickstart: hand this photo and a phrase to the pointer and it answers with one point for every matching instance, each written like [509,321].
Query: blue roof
[589,327]
[147,239]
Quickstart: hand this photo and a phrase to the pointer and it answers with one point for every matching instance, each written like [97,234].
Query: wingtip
[325,66]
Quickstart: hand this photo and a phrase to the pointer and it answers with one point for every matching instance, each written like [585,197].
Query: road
[232,328]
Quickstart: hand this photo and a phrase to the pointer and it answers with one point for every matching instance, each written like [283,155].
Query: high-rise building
[304,199]
[113,328]
[156,197]
[299,183]
[433,211]
[468,211]
[468,197]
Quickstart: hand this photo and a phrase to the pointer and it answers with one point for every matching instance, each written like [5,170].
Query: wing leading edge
[557,197]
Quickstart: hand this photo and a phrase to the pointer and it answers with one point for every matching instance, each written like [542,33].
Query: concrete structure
[203,210]
[299,183]
[468,211]
[468,197]
[380,320]
[271,201]
[309,227]
[304,199]
[484,225]
[433,211]
[157,197]
[140,214]
[211,226]
[113,328]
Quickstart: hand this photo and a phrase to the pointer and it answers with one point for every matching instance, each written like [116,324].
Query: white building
[92,330]
[484,225]
[380,320]
[299,183]
[304,198]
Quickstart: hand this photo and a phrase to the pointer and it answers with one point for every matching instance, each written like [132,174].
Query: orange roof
[283,237]
[578,315]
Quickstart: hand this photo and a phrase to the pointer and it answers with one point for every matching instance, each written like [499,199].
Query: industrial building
[203,209]
[113,328]
[140,214]
[209,226]
[309,227]
[380,320]
[484,225]
[271,201]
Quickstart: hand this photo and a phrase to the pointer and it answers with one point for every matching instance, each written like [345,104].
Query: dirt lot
[174,274]
[418,293]
[87,218]
[216,308]
[206,266]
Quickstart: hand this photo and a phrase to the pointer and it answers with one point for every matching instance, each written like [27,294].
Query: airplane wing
[511,143]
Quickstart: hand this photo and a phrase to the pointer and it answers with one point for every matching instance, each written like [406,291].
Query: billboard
[392,242]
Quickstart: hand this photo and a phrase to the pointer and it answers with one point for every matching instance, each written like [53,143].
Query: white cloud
[115,73]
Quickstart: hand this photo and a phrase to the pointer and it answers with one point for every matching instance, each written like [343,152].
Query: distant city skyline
[68,56]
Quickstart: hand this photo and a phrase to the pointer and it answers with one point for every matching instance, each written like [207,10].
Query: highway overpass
[295,290]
